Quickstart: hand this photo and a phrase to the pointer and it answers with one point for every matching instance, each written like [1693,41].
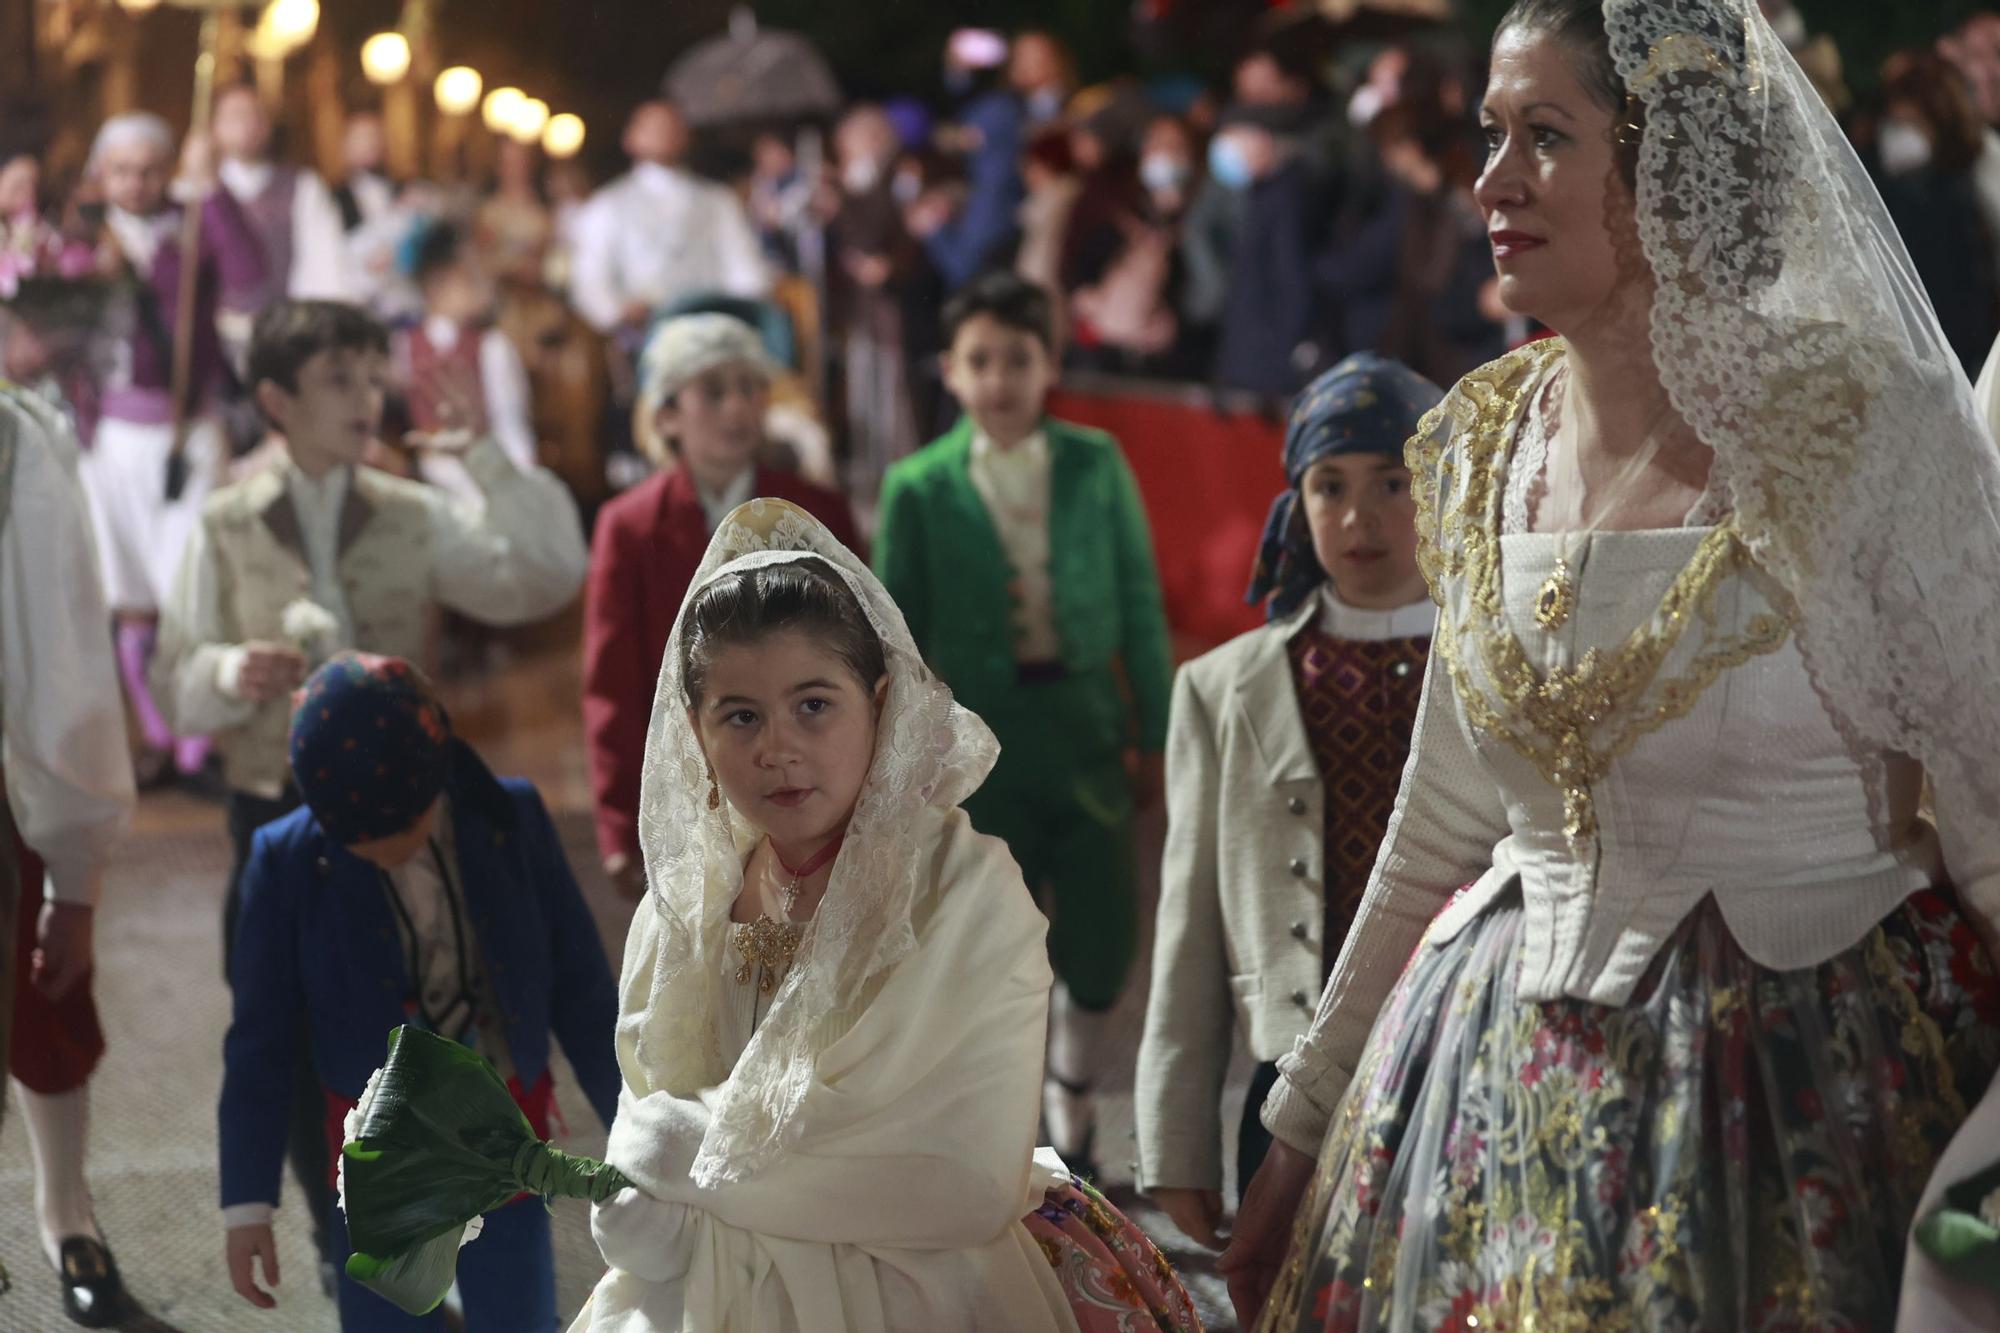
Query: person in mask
[876,266]
[1927,148]
[1043,74]
[1122,296]
[1269,336]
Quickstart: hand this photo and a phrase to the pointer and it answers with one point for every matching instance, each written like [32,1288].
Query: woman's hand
[62,954]
[1263,1230]
[1196,1212]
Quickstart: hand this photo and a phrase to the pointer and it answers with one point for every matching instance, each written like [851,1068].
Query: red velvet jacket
[648,544]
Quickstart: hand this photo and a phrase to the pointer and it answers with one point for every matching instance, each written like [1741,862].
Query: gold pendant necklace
[1555,601]
[768,947]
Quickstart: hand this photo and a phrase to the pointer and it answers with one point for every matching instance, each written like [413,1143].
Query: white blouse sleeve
[518,558]
[1448,818]
[62,731]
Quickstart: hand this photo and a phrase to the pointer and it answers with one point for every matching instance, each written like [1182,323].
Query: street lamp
[563,136]
[385,57]
[457,90]
[290,23]
[499,108]
[531,117]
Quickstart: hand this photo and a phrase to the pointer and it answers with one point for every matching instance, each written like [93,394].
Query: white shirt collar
[245,180]
[441,333]
[1035,448]
[656,179]
[140,235]
[1417,620]
[319,496]
[717,507]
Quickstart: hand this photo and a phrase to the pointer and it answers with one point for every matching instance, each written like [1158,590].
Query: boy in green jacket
[1017,549]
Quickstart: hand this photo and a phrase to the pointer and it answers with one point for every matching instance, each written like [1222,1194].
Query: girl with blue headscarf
[1284,754]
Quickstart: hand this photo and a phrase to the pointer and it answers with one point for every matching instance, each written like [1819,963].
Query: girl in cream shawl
[834,994]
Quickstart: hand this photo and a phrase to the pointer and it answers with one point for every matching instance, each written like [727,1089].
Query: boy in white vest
[318,554]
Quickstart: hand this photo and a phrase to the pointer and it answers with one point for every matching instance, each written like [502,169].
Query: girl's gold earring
[714,796]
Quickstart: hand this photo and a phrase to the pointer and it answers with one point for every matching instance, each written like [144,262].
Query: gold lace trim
[1575,722]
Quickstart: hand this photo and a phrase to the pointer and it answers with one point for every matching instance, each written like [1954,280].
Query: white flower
[311,628]
[350,1128]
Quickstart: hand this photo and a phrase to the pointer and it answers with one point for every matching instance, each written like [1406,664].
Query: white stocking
[58,1128]
[1075,1037]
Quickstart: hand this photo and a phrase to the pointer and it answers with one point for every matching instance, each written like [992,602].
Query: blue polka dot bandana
[1367,404]
[371,747]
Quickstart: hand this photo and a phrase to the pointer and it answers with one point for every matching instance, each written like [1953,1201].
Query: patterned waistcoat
[1358,700]
[385,574]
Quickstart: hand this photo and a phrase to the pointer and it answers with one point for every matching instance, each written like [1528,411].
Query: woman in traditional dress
[835,994]
[1709,993]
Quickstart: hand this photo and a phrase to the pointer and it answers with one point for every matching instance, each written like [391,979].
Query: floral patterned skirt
[1735,1148]
[1117,1281]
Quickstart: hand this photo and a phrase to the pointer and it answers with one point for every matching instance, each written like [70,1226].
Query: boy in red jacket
[705,385]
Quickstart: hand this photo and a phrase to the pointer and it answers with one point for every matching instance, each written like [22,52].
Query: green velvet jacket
[938,553]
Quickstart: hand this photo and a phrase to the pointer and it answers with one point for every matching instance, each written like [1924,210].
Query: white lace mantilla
[929,753]
[1793,335]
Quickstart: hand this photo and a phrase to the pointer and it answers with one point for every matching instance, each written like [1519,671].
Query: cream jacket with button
[1238,947]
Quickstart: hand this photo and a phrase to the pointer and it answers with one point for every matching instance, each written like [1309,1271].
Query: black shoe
[93,1293]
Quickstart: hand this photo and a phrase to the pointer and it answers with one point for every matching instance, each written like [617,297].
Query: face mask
[1904,148]
[1161,173]
[860,174]
[1228,164]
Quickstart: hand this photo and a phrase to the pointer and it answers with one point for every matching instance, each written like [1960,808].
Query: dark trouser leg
[1253,1141]
[511,1287]
[1093,884]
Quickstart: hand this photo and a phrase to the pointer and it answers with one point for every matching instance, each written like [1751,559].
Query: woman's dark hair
[1754,212]
[804,595]
[1579,25]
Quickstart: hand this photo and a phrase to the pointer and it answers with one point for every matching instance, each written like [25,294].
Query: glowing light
[457,90]
[499,107]
[531,117]
[564,135]
[385,57]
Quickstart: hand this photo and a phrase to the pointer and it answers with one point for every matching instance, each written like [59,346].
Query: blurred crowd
[1240,236]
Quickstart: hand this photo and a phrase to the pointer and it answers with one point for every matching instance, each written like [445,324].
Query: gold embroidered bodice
[1569,721]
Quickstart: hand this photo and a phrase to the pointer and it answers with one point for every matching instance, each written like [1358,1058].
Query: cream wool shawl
[899,1205]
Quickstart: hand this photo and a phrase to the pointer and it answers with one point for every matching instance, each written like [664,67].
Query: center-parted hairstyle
[804,595]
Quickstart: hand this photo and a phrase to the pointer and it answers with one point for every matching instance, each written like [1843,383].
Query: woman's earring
[714,796]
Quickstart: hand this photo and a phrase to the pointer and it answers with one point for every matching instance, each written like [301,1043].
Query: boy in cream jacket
[1284,754]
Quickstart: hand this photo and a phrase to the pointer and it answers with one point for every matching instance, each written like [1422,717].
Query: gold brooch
[768,948]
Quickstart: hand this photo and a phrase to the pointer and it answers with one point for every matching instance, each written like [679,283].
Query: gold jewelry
[768,946]
[1571,724]
[1555,602]
[714,796]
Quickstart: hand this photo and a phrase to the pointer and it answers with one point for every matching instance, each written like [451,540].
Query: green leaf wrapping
[1959,1238]
[439,1142]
